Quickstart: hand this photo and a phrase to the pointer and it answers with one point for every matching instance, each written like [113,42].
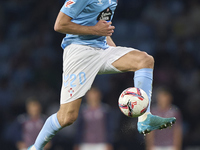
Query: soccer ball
[133,102]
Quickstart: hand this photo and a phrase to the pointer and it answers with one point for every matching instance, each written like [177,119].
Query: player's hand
[103,28]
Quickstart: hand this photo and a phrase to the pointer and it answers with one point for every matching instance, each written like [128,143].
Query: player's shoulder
[175,109]
[22,118]
[105,107]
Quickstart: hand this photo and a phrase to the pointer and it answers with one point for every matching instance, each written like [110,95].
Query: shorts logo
[68,3]
[71,91]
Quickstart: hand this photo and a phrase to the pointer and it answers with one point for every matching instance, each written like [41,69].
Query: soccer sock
[143,79]
[50,128]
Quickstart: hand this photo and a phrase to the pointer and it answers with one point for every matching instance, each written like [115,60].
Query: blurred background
[31,65]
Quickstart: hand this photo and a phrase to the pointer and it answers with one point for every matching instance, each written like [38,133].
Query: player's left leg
[80,66]
[142,64]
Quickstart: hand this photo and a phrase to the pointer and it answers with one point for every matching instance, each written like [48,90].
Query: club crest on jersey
[105,15]
[71,91]
[100,2]
[68,3]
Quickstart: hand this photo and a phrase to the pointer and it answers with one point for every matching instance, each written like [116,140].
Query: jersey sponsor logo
[68,3]
[105,15]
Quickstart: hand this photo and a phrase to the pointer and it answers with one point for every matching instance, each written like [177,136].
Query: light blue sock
[143,79]
[50,128]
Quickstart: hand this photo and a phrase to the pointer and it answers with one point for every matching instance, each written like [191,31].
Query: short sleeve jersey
[88,13]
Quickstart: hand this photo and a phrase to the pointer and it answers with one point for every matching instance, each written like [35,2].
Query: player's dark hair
[32,99]
[164,89]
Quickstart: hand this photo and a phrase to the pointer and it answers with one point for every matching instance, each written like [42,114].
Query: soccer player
[88,51]
[94,130]
[169,139]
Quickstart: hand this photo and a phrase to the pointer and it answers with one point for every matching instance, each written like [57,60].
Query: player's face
[34,109]
[164,99]
[93,97]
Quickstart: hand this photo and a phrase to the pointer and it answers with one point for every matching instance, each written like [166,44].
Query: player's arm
[150,141]
[178,134]
[64,25]
[177,137]
[110,41]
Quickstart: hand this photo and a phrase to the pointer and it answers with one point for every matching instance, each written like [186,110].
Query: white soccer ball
[133,102]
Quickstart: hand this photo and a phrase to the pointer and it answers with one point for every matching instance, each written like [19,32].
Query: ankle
[143,117]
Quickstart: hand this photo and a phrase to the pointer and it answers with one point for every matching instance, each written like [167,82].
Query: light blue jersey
[88,12]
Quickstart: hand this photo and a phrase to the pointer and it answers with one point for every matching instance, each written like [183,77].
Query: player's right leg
[66,115]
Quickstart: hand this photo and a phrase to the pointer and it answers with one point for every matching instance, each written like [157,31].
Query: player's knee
[145,61]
